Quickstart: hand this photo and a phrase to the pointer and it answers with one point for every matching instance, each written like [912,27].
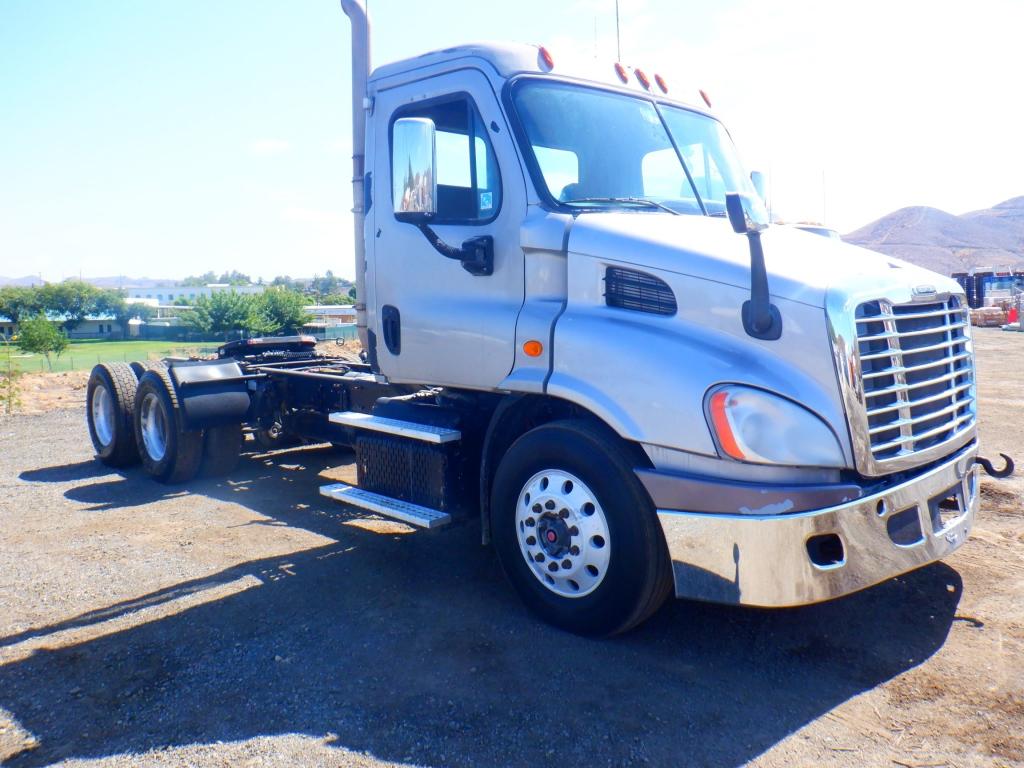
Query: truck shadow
[413,648]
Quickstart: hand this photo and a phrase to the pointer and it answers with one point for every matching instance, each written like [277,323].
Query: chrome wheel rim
[154,426]
[103,415]
[563,533]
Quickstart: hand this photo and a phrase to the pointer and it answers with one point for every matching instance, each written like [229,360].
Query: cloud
[269,146]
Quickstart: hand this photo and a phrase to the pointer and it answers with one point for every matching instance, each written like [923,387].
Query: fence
[84,360]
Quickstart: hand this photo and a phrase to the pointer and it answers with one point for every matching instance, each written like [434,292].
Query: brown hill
[946,243]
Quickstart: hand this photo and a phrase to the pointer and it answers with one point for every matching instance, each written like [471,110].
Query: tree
[235,278]
[278,309]
[39,335]
[221,312]
[17,302]
[72,301]
[200,280]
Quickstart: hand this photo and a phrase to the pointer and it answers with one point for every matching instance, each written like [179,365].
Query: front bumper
[793,559]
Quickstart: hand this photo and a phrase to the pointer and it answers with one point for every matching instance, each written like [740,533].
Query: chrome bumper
[766,560]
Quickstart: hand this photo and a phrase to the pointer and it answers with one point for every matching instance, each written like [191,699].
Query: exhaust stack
[356,12]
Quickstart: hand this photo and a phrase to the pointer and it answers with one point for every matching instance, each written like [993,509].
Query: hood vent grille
[638,291]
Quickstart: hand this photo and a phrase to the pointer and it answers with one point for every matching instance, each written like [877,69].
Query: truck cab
[580,332]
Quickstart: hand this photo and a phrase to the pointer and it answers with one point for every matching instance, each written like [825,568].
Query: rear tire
[222,448]
[575,531]
[169,452]
[109,408]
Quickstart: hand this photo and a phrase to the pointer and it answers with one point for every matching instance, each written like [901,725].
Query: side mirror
[413,169]
[747,213]
[760,186]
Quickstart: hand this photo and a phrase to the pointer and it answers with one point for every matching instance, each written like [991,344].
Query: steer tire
[633,579]
[169,452]
[109,409]
[222,447]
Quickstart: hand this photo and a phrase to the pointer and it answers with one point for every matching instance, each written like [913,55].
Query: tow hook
[1006,471]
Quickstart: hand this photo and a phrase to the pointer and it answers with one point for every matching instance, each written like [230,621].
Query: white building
[168,294]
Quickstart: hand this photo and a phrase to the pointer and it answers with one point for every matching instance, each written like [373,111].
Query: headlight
[752,425]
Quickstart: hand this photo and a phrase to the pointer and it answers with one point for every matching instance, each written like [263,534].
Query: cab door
[434,320]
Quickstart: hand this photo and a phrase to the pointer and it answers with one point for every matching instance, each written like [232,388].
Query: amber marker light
[533,348]
[545,56]
[723,428]
[621,72]
[661,83]
[643,79]
[704,95]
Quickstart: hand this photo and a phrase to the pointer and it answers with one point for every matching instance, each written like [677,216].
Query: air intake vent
[629,289]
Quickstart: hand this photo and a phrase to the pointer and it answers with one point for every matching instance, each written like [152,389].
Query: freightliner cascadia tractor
[579,332]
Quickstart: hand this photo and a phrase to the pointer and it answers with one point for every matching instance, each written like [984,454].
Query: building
[168,294]
[331,321]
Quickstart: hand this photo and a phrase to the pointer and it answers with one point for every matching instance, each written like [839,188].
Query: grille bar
[896,388]
[901,369]
[889,352]
[931,416]
[925,435]
[911,316]
[923,401]
[905,334]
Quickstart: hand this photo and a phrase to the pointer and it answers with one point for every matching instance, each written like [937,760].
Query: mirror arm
[761,318]
[439,245]
[476,254]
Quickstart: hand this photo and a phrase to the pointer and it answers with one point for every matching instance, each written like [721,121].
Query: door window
[468,182]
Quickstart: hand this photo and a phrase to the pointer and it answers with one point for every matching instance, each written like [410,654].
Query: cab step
[407,512]
[427,433]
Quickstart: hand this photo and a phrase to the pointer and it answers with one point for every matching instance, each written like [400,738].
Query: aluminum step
[413,514]
[411,429]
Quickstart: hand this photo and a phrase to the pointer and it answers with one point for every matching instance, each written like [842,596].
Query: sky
[162,138]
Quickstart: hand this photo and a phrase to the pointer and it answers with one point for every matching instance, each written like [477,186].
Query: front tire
[169,452]
[110,405]
[575,531]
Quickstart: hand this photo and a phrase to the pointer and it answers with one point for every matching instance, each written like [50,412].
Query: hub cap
[154,427]
[563,533]
[103,415]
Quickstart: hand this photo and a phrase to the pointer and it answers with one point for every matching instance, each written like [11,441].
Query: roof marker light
[704,96]
[661,83]
[621,72]
[643,79]
[545,57]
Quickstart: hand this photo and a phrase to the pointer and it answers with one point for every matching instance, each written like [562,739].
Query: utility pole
[618,41]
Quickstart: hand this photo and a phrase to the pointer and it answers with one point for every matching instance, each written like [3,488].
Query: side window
[468,182]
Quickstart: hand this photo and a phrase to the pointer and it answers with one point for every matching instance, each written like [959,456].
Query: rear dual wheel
[170,452]
[575,531]
[110,405]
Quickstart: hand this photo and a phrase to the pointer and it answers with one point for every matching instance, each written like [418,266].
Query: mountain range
[946,243]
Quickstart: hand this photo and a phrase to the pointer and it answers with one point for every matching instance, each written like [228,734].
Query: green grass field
[81,355]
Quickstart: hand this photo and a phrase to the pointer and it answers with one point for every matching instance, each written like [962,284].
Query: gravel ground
[249,622]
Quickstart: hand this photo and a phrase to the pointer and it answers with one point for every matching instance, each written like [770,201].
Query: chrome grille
[917,374]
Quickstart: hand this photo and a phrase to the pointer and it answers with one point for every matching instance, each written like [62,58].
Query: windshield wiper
[633,200]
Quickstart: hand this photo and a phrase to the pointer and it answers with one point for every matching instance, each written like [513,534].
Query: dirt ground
[249,622]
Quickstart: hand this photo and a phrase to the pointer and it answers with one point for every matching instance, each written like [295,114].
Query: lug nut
[574,531]
[530,522]
[549,504]
[567,564]
[552,566]
[539,557]
[530,540]
[563,513]
[573,550]
[537,508]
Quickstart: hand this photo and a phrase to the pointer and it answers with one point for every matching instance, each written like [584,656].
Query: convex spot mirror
[747,213]
[758,180]
[413,169]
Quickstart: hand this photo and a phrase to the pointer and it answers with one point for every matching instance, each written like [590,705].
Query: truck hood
[801,266]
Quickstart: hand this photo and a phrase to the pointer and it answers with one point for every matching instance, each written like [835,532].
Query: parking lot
[248,621]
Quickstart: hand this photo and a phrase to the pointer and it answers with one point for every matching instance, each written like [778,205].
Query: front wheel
[575,531]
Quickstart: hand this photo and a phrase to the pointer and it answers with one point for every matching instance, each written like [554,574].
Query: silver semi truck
[578,329]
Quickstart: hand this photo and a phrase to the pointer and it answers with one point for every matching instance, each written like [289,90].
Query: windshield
[596,148]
